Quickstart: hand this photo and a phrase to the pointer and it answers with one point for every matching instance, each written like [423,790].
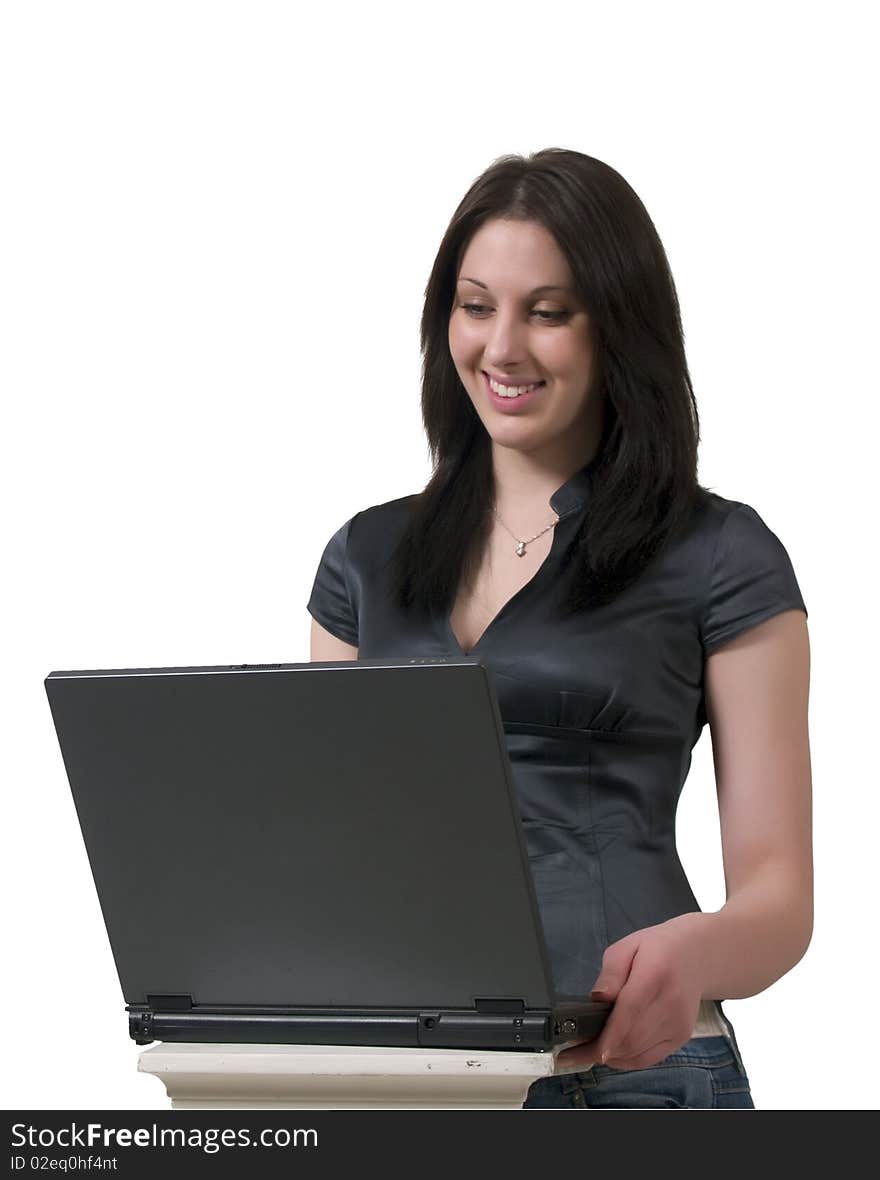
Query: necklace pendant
[521,549]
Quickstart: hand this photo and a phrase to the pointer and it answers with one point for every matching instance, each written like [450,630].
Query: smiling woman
[565,541]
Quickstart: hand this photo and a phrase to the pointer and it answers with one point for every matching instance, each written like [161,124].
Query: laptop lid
[340,837]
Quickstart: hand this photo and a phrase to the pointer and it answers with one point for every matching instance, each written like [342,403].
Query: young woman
[565,541]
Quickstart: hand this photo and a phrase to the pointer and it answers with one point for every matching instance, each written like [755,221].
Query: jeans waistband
[732,1038]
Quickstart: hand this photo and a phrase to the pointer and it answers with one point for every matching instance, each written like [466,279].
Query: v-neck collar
[565,501]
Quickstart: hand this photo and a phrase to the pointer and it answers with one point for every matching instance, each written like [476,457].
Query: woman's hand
[653,976]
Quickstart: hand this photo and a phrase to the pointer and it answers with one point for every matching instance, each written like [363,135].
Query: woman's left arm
[756,689]
[757,695]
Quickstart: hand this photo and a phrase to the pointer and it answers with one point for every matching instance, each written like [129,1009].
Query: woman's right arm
[326,647]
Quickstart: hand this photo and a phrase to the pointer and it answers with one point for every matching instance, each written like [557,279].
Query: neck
[525,481]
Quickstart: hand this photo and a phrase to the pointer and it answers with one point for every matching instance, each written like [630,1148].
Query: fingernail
[605,1055]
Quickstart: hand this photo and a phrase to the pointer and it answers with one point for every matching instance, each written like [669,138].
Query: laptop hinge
[166,1003]
[501,1005]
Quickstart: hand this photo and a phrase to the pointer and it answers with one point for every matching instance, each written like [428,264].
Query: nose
[505,343]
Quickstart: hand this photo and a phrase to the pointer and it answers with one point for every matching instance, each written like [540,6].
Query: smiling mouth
[511,391]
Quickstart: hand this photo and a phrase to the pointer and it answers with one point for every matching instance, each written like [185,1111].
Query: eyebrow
[534,291]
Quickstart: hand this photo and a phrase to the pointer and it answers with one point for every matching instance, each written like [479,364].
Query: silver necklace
[521,545]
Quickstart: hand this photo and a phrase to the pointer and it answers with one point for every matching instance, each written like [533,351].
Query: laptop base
[534,1030]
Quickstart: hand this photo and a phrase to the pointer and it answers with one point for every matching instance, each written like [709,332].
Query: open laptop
[318,853]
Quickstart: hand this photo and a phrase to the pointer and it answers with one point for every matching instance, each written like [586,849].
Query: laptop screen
[307,835]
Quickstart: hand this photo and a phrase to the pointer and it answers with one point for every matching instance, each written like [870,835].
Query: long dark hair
[644,474]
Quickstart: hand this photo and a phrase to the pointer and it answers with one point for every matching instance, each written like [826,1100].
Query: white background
[218,220]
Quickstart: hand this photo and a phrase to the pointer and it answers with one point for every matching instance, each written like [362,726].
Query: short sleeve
[330,602]
[751,579]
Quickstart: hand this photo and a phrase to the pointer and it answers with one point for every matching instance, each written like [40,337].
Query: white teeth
[511,390]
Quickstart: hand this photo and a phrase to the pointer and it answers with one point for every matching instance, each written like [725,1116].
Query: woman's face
[502,327]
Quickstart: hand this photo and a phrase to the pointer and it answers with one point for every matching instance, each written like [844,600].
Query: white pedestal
[334,1076]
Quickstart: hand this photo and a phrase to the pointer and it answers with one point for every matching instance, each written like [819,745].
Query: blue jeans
[705,1072]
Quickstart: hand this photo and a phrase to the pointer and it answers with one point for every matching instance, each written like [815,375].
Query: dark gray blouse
[601,711]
